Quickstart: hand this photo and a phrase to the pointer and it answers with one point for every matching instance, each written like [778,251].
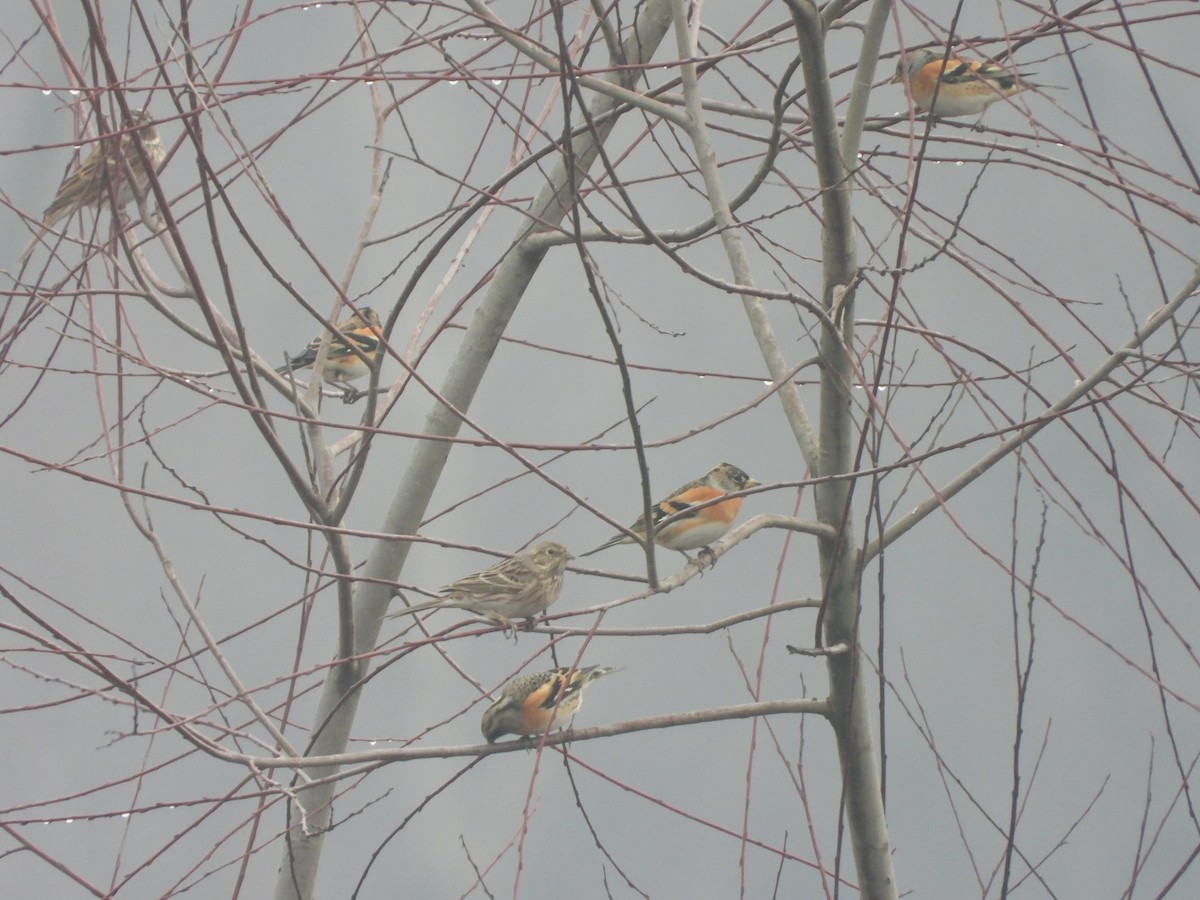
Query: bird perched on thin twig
[691,529]
[531,705]
[113,170]
[519,587]
[962,87]
[360,331]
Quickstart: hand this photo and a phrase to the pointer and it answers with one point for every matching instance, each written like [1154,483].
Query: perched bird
[692,530]
[342,364]
[519,587]
[533,704]
[963,87]
[104,174]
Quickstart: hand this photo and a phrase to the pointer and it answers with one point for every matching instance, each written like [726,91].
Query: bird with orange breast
[531,705]
[687,524]
[951,86]
[350,354]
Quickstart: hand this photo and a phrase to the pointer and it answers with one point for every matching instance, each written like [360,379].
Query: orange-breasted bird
[531,705]
[692,529]
[342,365]
[963,87]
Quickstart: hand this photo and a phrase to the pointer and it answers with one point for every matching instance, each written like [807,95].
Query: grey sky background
[1045,276]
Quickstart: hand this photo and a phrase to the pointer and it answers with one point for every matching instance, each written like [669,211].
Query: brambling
[692,530]
[520,587]
[531,705]
[963,87]
[342,364]
[105,173]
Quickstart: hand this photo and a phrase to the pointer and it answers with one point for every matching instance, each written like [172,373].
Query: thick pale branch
[840,572]
[764,334]
[864,76]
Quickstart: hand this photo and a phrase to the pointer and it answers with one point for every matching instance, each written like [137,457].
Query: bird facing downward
[520,587]
[692,530]
[105,174]
[963,87]
[342,364]
[531,705]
